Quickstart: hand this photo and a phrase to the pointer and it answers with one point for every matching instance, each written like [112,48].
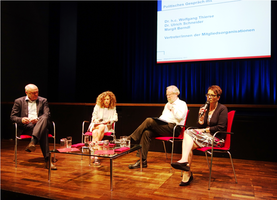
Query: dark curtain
[117,49]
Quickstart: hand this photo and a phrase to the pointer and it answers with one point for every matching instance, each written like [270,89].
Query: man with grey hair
[31,113]
[175,112]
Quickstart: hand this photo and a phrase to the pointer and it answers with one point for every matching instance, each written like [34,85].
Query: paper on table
[159,119]
[122,149]
[68,149]
[77,145]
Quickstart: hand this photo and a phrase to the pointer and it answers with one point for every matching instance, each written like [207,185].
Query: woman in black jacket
[212,118]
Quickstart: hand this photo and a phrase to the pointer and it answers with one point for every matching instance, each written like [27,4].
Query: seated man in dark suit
[32,114]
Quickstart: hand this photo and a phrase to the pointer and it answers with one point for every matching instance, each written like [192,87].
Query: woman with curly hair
[103,116]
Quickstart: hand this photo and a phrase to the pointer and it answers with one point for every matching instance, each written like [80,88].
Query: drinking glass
[69,141]
[106,144]
[123,141]
[117,143]
[112,146]
[63,143]
[128,142]
[87,140]
[100,145]
[92,147]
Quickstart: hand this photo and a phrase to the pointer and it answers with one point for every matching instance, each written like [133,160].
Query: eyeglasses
[170,94]
[33,93]
[211,95]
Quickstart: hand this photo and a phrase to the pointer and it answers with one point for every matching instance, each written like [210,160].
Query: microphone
[205,107]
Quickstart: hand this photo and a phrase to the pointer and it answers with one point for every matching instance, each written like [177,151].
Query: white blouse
[103,115]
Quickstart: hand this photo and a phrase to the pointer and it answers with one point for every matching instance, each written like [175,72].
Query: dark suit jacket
[219,119]
[20,110]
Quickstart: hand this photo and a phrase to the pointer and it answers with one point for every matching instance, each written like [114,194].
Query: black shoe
[137,165]
[31,147]
[53,167]
[188,182]
[181,166]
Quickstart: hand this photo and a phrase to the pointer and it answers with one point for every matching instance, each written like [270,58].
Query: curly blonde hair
[101,97]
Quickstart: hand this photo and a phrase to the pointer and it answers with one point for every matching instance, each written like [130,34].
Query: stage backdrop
[75,50]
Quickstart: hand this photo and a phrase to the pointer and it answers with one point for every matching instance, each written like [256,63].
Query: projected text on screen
[213,30]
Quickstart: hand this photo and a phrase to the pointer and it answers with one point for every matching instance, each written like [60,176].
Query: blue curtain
[251,81]
[126,32]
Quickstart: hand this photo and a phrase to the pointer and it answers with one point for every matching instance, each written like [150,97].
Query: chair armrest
[182,126]
[192,127]
[83,126]
[223,132]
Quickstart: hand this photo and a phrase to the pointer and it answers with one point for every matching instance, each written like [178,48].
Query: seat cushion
[163,138]
[25,137]
[107,133]
[203,149]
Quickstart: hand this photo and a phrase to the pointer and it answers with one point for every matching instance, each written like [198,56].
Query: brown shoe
[53,167]
[31,147]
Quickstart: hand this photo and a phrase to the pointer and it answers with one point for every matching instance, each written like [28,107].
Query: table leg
[111,174]
[49,167]
[89,158]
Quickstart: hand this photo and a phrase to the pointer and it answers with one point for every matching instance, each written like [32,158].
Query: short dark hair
[216,89]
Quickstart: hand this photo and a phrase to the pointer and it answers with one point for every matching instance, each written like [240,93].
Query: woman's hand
[201,119]
[201,130]
[202,110]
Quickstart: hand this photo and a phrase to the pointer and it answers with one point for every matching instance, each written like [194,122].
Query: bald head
[30,87]
[31,91]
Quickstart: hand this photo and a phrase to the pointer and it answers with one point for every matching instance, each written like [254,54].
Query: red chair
[224,149]
[85,127]
[24,137]
[173,139]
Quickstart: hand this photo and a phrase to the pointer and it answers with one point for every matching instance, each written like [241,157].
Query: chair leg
[15,145]
[54,159]
[165,150]
[210,167]
[207,159]
[54,126]
[232,165]
[172,151]
[15,152]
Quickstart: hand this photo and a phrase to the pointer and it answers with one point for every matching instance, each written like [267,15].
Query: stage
[75,179]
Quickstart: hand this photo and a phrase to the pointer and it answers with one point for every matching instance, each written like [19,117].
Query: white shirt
[32,109]
[105,114]
[179,113]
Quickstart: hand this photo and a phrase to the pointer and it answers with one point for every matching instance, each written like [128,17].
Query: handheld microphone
[205,107]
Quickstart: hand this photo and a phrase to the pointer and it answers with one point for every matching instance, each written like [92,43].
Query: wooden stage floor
[75,179]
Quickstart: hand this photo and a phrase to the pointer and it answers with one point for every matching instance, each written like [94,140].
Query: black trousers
[152,128]
[40,130]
